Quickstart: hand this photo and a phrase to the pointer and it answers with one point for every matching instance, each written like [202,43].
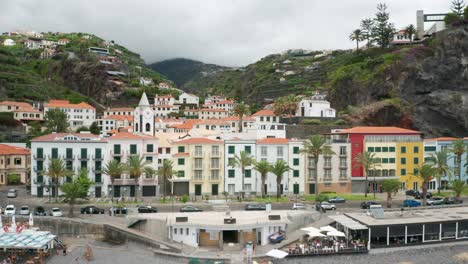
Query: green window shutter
[149,148]
[40,153]
[391,160]
[403,172]
[181,161]
[391,149]
[40,165]
[54,153]
[384,149]
[403,149]
[97,178]
[84,153]
[248,149]
[98,165]
[296,162]
[98,153]
[84,164]
[133,149]
[231,173]
[415,171]
[416,149]
[181,173]
[416,160]
[181,149]
[403,161]
[117,149]
[296,173]
[296,150]
[429,148]
[378,149]
[385,160]
[370,149]
[231,149]
[296,188]
[149,159]
[69,153]
[248,173]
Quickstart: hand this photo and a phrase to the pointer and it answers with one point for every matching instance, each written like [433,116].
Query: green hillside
[72,72]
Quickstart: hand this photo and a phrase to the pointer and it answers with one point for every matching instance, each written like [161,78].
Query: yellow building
[410,155]
[200,166]
[385,152]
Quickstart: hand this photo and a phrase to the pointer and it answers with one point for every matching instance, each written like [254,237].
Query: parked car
[411,192]
[298,206]
[40,211]
[56,212]
[10,210]
[419,195]
[147,209]
[118,210]
[452,200]
[411,203]
[12,193]
[91,210]
[255,207]
[190,208]
[24,210]
[435,201]
[367,204]
[327,206]
[337,199]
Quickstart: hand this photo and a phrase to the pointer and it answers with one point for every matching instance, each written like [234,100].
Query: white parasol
[315,234]
[327,228]
[310,229]
[31,220]
[336,233]
[278,254]
[13,222]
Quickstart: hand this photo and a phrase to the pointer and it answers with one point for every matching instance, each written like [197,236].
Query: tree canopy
[56,120]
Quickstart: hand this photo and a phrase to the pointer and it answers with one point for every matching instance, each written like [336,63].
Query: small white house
[9,42]
[402,37]
[315,106]
[189,99]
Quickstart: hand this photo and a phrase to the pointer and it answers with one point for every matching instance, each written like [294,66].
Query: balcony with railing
[214,178]
[198,154]
[119,154]
[35,169]
[97,157]
[36,157]
[197,177]
[68,157]
[84,157]
[327,165]
[129,153]
[343,165]
[97,169]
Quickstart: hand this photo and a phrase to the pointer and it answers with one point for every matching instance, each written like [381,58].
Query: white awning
[348,222]
[327,229]
[275,253]
[336,233]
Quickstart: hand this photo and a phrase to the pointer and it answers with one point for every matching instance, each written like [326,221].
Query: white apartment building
[212,113]
[233,175]
[78,151]
[111,123]
[120,111]
[315,106]
[226,105]
[164,100]
[214,99]
[163,111]
[188,99]
[268,125]
[81,114]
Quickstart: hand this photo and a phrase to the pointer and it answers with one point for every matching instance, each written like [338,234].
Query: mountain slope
[182,71]
[72,72]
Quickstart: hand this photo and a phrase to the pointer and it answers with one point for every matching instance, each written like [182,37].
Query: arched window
[148,127]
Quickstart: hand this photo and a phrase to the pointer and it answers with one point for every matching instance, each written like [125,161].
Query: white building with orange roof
[164,100]
[163,111]
[81,114]
[185,127]
[78,151]
[163,125]
[28,114]
[114,122]
[216,125]
[63,41]
[125,111]
[248,122]
[212,113]
[188,99]
[121,146]
[227,105]
[267,124]
[199,163]
[163,85]
[14,161]
[10,106]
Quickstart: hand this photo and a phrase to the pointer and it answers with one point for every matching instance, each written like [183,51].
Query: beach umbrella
[336,233]
[310,229]
[31,220]
[327,228]
[278,254]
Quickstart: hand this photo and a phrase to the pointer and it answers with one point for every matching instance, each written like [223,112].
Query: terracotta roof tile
[273,141]
[198,141]
[127,109]
[441,139]
[14,103]
[265,112]
[129,135]
[236,118]
[67,104]
[11,150]
[119,117]
[378,130]
[57,136]
[211,110]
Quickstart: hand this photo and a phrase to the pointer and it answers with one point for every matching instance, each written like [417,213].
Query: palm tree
[357,36]
[57,169]
[243,160]
[315,147]
[135,166]
[458,148]
[368,162]
[425,172]
[114,169]
[166,172]
[77,189]
[439,160]
[263,167]
[149,172]
[241,110]
[390,186]
[410,31]
[278,169]
[458,186]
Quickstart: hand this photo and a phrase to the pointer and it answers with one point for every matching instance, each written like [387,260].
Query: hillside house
[188,99]
[9,42]
[315,106]
[63,41]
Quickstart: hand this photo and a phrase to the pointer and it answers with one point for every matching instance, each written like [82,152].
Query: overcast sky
[226,32]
